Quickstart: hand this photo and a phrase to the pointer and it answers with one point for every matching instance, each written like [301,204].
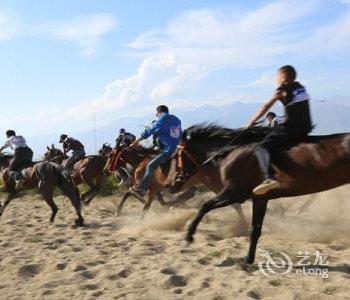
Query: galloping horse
[46,176]
[311,165]
[86,170]
[140,157]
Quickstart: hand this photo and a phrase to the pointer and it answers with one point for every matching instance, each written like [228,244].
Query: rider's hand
[133,144]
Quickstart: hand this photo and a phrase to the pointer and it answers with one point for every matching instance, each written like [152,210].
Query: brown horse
[88,170]
[314,164]
[140,157]
[45,176]
[137,157]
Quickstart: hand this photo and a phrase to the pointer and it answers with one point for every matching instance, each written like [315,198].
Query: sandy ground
[128,257]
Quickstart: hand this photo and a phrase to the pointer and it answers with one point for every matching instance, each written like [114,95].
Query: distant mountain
[328,118]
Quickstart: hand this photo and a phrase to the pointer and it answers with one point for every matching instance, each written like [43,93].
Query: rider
[168,129]
[22,154]
[297,123]
[77,148]
[272,120]
[124,139]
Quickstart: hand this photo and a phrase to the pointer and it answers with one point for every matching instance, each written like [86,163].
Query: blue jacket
[168,129]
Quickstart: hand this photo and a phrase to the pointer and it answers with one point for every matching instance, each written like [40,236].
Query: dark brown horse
[45,176]
[315,164]
[88,170]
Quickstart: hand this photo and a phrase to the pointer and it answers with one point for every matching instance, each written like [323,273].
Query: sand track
[128,257]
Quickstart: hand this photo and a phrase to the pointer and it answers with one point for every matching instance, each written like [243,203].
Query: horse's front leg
[225,198]
[259,211]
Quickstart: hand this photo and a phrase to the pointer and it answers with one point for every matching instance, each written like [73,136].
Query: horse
[5,160]
[137,157]
[141,156]
[86,170]
[313,164]
[46,176]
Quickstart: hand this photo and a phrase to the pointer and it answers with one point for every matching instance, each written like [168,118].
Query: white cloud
[85,30]
[9,26]
[178,60]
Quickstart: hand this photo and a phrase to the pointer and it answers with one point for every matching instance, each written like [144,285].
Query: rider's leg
[152,165]
[272,141]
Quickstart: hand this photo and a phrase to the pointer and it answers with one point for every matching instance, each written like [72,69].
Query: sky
[65,62]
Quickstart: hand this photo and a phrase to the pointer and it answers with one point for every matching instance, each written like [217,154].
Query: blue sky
[63,61]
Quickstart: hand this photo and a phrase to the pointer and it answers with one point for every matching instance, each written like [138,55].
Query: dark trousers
[280,136]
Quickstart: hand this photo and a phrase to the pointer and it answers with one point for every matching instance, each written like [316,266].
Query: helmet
[122,130]
[63,137]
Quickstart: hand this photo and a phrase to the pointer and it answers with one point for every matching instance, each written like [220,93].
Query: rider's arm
[264,109]
[153,129]
[6,145]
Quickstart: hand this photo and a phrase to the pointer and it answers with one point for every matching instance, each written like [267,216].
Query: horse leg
[259,211]
[121,203]
[225,198]
[75,200]
[72,192]
[7,202]
[46,191]
[53,206]
[149,201]
[89,195]
[160,198]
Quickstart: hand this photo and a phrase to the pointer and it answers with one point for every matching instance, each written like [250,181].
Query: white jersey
[15,142]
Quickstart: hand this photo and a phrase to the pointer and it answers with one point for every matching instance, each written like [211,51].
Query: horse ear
[47,147]
[53,146]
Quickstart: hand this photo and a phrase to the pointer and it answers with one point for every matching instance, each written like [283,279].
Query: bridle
[181,153]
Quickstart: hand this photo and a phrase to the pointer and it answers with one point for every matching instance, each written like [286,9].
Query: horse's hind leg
[225,198]
[75,200]
[121,203]
[53,206]
[46,191]
[7,202]
[149,201]
[160,198]
[259,211]
[90,194]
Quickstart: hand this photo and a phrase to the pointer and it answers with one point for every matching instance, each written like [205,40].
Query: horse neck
[135,157]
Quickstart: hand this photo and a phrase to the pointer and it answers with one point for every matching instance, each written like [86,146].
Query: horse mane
[213,137]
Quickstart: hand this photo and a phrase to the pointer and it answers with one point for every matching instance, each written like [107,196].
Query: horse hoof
[189,239]
[249,260]
[79,223]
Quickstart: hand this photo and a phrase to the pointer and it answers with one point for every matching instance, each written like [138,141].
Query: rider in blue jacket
[168,129]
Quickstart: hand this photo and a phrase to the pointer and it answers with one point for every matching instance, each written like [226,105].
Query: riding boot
[269,183]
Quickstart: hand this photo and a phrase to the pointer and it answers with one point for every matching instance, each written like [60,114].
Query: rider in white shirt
[22,154]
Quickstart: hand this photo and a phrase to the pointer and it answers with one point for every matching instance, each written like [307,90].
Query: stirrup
[266,186]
